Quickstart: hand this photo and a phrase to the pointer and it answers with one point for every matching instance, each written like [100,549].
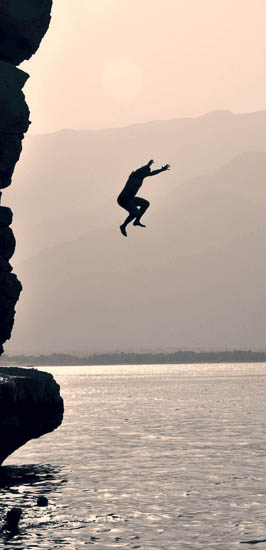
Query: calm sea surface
[150,457]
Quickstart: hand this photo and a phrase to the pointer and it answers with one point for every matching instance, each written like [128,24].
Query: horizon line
[151,121]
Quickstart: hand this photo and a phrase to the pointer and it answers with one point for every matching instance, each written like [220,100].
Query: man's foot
[123,230]
[137,222]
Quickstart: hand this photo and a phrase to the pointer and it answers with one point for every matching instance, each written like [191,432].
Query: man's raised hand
[166,167]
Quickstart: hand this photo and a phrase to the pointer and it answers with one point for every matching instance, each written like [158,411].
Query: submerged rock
[12,519]
[42,501]
[30,406]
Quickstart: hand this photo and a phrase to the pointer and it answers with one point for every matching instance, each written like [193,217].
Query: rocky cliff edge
[23,24]
[30,406]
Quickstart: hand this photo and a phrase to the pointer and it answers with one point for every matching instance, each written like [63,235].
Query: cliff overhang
[30,406]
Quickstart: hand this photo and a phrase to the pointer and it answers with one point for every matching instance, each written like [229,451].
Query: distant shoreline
[174,358]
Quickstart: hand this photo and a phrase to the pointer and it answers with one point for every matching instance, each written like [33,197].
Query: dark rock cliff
[30,403]
[30,406]
[10,287]
[23,24]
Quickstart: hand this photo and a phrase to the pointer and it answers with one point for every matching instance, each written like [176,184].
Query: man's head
[146,170]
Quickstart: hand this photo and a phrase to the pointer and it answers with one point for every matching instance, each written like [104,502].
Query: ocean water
[149,457]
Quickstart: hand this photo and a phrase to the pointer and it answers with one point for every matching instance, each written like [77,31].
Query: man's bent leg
[143,204]
[133,213]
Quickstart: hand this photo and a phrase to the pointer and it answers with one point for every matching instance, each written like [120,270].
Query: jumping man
[136,206]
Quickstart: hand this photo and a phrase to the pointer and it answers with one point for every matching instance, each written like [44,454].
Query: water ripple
[152,458]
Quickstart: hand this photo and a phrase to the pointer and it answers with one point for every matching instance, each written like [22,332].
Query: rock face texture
[30,406]
[30,403]
[23,24]
[10,287]
[14,120]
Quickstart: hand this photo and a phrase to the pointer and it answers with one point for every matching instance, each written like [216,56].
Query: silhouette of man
[136,206]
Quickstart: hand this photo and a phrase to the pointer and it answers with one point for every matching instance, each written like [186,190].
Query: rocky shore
[30,406]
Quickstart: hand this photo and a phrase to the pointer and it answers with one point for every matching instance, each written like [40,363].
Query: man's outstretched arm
[154,172]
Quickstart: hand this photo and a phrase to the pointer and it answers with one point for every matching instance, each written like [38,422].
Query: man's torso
[133,184]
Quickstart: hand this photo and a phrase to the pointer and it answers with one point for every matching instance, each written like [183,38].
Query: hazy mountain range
[194,278]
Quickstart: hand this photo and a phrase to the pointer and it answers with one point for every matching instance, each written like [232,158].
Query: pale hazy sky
[106,63]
